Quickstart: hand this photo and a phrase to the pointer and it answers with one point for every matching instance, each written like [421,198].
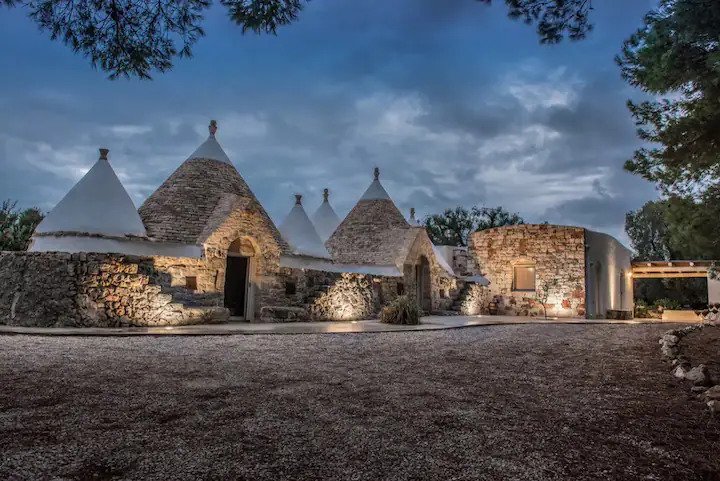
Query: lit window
[524,278]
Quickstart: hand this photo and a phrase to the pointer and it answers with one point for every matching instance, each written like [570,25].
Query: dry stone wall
[556,252]
[101,290]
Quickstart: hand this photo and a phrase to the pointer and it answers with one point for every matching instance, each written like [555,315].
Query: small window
[290,288]
[191,283]
[400,288]
[524,278]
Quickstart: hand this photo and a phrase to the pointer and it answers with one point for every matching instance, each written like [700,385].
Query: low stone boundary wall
[47,289]
[671,348]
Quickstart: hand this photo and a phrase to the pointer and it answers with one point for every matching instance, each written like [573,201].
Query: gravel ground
[703,347]
[525,402]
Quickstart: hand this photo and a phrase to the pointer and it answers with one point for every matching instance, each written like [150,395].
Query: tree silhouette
[134,38]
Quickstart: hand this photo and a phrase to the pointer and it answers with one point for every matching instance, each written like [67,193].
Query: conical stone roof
[300,234]
[325,219]
[185,207]
[374,232]
[98,204]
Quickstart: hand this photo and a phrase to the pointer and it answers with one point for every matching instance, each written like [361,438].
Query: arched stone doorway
[239,292]
[423,288]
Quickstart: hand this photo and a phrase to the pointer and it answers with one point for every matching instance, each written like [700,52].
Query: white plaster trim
[295,262]
[76,244]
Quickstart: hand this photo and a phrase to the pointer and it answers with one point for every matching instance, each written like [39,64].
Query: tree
[17,226]
[676,55]
[694,224]
[133,38]
[489,217]
[648,231]
[454,226]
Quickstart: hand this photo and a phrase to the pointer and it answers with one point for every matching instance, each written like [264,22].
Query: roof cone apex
[98,204]
[211,149]
[300,233]
[325,219]
[376,191]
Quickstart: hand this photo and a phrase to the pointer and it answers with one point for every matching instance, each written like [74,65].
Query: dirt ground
[703,347]
[522,402]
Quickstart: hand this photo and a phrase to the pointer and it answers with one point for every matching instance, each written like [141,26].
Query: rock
[697,375]
[670,339]
[669,351]
[698,389]
[714,406]
[713,394]
[679,372]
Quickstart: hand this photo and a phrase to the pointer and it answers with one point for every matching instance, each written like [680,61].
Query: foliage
[555,19]
[666,304]
[489,217]
[543,291]
[454,226]
[648,231]
[133,38]
[17,226]
[676,55]
[685,291]
[694,225]
[403,310]
[642,310]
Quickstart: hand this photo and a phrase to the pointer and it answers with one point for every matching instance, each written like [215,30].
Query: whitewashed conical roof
[300,234]
[325,219]
[98,204]
[211,149]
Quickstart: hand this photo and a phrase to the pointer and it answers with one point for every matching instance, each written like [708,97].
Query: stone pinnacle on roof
[412,215]
[211,149]
[300,234]
[376,190]
[325,219]
[98,204]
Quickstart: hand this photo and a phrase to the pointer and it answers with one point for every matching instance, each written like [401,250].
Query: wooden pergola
[666,269]
[679,269]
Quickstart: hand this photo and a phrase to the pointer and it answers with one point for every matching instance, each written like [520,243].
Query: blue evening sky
[457,105]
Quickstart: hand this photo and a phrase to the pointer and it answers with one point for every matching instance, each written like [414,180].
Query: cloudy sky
[456,104]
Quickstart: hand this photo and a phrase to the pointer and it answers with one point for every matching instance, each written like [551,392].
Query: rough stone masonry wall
[557,252]
[329,296]
[99,290]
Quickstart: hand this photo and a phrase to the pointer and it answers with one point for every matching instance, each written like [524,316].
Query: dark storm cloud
[455,103]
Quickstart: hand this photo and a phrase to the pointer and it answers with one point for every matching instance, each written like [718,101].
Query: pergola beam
[667,275]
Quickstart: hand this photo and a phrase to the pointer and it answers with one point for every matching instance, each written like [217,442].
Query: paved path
[513,402]
[429,323]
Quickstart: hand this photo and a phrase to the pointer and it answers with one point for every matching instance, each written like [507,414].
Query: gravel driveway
[525,402]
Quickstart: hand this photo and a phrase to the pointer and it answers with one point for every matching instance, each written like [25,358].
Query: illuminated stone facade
[573,268]
[557,254]
[100,290]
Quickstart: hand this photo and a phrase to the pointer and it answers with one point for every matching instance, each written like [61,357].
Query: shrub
[402,310]
[666,304]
